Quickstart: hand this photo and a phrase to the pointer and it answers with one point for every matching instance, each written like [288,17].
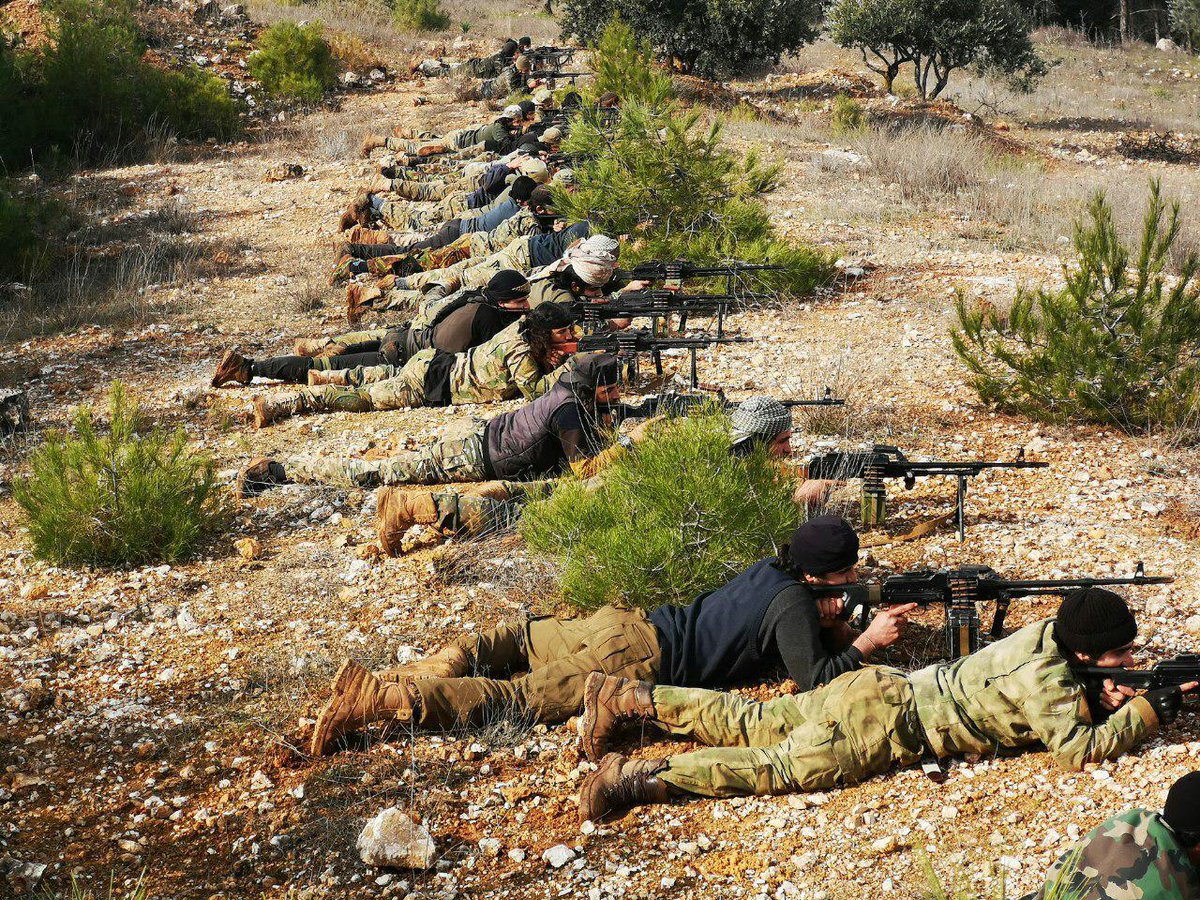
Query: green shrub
[624,65]
[659,175]
[89,95]
[420,15]
[1185,21]
[126,498]
[714,37]
[1118,345]
[29,229]
[848,116]
[294,62]
[674,519]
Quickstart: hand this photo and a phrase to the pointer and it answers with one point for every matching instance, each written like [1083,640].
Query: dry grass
[366,21]
[926,164]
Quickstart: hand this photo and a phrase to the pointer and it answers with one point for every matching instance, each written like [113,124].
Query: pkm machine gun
[960,591]
[628,343]
[883,462]
[678,403]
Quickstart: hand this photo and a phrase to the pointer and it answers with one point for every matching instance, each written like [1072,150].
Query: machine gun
[677,403]
[1168,673]
[882,462]
[673,273]
[632,341]
[547,54]
[660,304]
[550,76]
[960,590]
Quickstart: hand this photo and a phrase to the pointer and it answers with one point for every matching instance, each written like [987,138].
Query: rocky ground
[146,715]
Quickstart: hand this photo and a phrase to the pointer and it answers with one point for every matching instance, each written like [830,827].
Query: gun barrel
[966,467]
[1036,587]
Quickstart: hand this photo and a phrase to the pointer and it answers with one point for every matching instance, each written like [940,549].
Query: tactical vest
[713,642]
[516,443]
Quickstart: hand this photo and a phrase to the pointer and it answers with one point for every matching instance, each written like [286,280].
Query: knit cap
[536,169]
[552,134]
[511,111]
[1182,809]
[759,417]
[822,545]
[543,97]
[1094,621]
[507,284]
[564,177]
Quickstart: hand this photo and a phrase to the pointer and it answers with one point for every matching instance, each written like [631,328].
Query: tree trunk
[1124,23]
[14,411]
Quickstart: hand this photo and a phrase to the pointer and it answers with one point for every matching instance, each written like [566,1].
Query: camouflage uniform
[1012,694]
[475,272]
[523,224]
[500,369]
[1132,856]
[452,459]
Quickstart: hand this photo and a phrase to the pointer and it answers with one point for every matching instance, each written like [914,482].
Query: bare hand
[642,430]
[829,610]
[812,491]
[1113,696]
[638,285]
[557,357]
[1188,687]
[889,625]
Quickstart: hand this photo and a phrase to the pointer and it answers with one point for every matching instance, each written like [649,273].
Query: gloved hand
[1166,702]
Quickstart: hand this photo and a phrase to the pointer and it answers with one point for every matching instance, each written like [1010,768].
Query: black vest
[714,641]
[522,445]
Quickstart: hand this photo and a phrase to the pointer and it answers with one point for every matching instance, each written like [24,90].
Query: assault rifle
[547,53]
[632,341]
[550,76]
[1168,673]
[960,590]
[678,403]
[882,462]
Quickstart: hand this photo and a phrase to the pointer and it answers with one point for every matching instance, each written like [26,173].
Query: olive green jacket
[1018,692]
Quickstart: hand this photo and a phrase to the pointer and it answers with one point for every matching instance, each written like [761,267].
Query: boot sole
[587,721]
[349,677]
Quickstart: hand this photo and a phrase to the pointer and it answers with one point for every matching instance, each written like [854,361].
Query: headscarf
[759,418]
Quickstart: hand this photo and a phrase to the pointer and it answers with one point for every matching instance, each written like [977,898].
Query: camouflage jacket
[518,226]
[1132,856]
[1018,692]
[501,369]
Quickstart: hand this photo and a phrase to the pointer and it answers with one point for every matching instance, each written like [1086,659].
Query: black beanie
[527,107]
[521,188]
[1182,809]
[550,315]
[507,284]
[1094,621]
[509,47]
[822,545]
[542,196]
[593,370]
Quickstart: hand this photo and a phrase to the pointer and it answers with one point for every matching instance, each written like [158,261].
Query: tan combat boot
[268,412]
[449,662]
[371,142]
[397,510]
[317,377]
[232,367]
[607,702]
[317,347]
[261,473]
[359,698]
[357,213]
[359,300]
[621,784]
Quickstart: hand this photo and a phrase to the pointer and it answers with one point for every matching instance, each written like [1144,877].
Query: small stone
[559,855]
[588,827]
[517,855]
[949,812]
[392,838]
[489,846]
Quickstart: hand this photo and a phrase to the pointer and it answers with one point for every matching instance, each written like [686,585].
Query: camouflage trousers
[401,214]
[473,272]
[450,460]
[535,669]
[423,190]
[860,724]
[374,387]
[459,139]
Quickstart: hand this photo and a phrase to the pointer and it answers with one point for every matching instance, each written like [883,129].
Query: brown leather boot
[268,412]
[607,702]
[261,474]
[232,367]
[359,300]
[449,662]
[357,213]
[340,377]
[397,510]
[621,784]
[371,142]
[359,698]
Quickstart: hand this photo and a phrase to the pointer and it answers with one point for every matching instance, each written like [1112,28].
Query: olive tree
[937,37]
[703,37]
